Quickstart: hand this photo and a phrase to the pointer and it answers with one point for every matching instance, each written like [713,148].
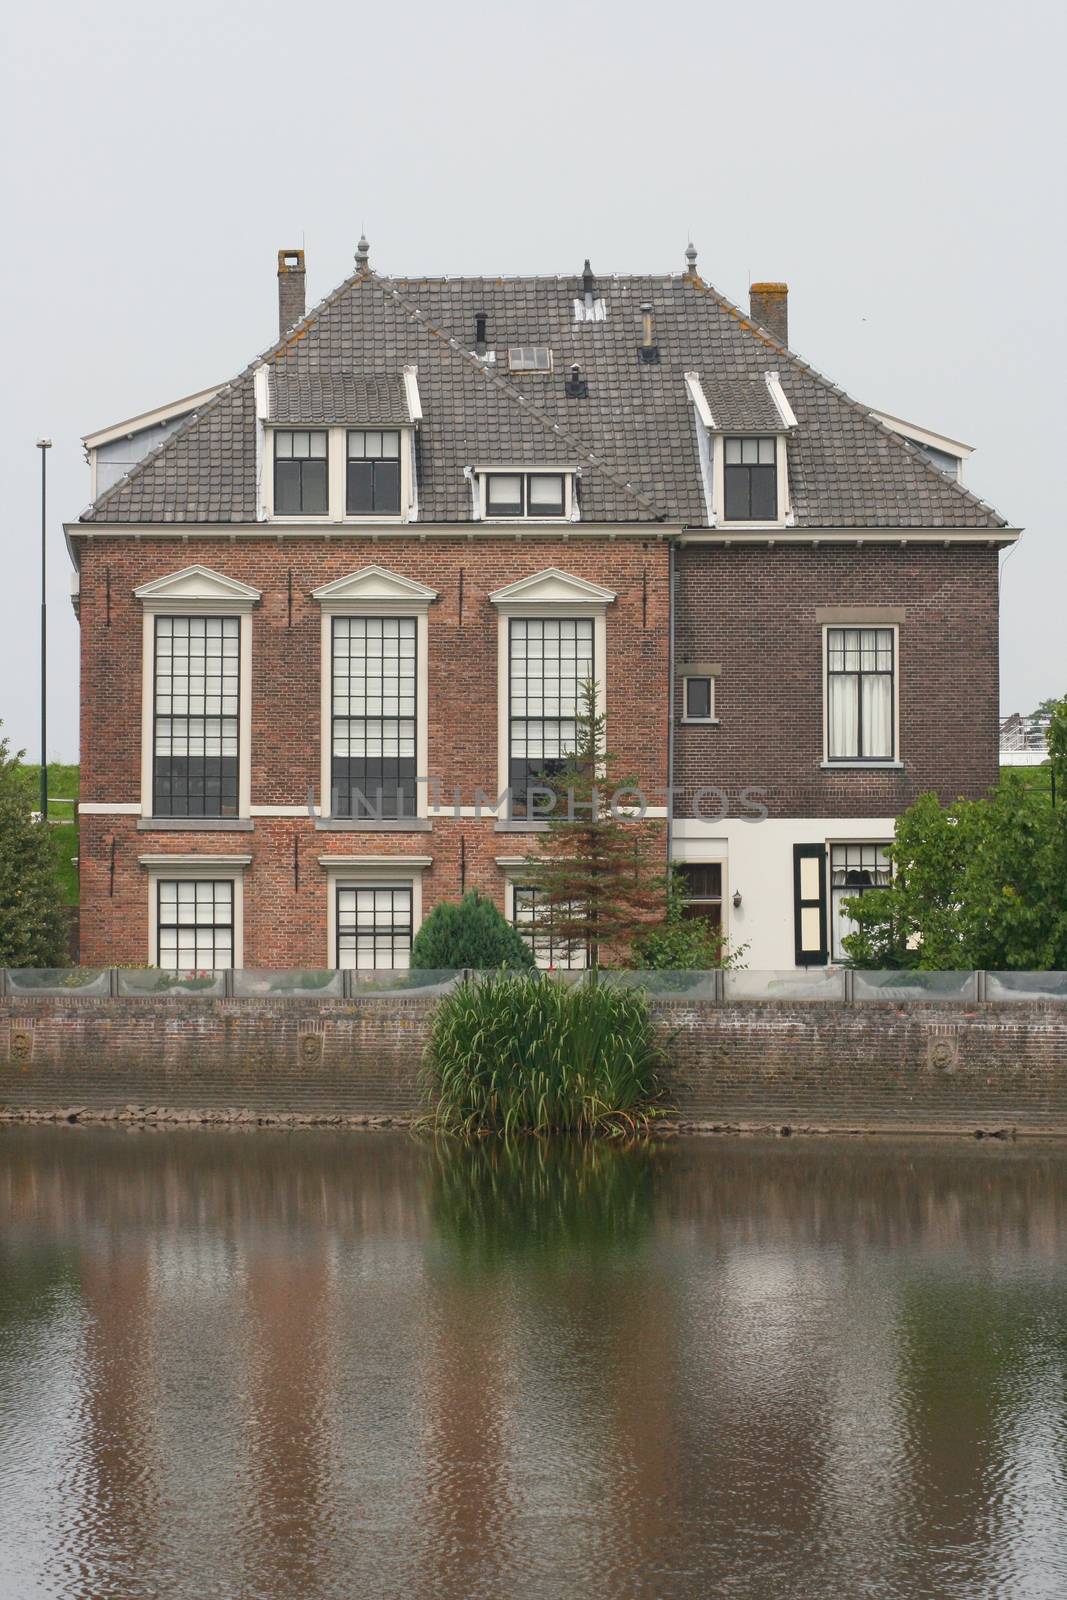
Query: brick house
[334,614]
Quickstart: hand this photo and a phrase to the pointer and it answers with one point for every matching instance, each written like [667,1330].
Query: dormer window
[750,480]
[529,358]
[373,472]
[301,472]
[526,494]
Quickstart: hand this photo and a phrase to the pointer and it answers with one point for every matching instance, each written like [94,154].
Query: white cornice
[555,588]
[375,587]
[200,587]
[150,419]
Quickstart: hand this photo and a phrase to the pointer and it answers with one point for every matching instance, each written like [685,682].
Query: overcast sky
[900,167]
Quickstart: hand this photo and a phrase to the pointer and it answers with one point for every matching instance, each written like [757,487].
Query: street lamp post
[44,445]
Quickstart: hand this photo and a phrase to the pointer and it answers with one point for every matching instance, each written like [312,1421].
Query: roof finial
[363,254]
[691,257]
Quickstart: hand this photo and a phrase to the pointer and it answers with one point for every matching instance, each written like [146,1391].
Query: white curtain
[878,716]
[844,716]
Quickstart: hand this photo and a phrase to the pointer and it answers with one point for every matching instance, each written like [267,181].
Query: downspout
[670,704]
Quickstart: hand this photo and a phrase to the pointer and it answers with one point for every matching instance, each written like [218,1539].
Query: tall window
[373,756]
[301,476]
[860,697]
[373,926]
[195,742]
[854,868]
[373,475]
[751,480]
[549,660]
[548,951]
[195,923]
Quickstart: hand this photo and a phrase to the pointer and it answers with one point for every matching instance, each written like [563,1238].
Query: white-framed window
[196,719]
[372,474]
[861,694]
[301,472]
[750,479]
[374,910]
[538,674]
[195,911]
[375,696]
[529,496]
[698,698]
[549,659]
[855,868]
[548,950]
[529,358]
[703,892]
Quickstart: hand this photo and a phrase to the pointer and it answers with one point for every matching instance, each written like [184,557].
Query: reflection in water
[290,1366]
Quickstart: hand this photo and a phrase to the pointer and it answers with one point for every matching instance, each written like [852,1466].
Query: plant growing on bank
[523,1054]
[981,883]
[33,921]
[598,873]
[469,933]
[681,943]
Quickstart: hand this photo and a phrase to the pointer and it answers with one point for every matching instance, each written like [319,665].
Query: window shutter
[809,904]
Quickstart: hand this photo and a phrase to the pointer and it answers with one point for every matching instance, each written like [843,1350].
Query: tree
[599,871]
[680,943]
[470,933]
[33,920]
[981,883]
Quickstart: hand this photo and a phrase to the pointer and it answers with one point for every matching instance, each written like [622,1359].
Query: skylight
[529,358]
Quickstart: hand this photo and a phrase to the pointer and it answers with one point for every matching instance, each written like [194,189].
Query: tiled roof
[632,434]
[742,403]
[341,397]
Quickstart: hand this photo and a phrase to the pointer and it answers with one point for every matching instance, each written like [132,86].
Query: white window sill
[700,722]
[862,766]
[195,824]
[753,527]
[525,522]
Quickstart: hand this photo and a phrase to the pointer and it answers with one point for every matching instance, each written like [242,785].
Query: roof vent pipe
[291,279]
[576,388]
[648,351]
[480,320]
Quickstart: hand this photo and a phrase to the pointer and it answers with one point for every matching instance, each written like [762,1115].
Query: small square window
[545,495]
[699,699]
[503,494]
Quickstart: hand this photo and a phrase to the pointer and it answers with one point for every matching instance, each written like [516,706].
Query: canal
[284,1366]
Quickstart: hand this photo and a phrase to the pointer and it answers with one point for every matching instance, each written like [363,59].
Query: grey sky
[899,167]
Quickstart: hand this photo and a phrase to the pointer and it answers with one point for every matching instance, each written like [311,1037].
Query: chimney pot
[291,280]
[768,304]
[480,320]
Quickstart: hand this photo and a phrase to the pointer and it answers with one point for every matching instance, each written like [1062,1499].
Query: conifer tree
[33,921]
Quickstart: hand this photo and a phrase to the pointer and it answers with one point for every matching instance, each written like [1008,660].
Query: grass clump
[512,1054]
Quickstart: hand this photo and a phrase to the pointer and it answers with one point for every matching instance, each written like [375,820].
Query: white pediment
[376,587]
[198,586]
[553,588]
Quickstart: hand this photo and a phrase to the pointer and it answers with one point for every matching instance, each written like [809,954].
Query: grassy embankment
[63,790]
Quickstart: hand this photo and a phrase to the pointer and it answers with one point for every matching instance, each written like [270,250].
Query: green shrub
[471,933]
[680,943]
[517,1054]
[33,919]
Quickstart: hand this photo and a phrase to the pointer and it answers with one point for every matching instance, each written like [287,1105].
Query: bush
[538,1055]
[471,933]
[33,920]
[679,943]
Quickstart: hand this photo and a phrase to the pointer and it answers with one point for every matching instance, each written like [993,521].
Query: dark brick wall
[286,925]
[752,610]
[936,1067]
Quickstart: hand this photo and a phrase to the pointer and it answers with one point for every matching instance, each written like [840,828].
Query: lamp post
[44,445]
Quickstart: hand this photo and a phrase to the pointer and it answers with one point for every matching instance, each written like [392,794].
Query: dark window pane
[287,487]
[360,488]
[698,697]
[703,879]
[764,494]
[315,488]
[737,501]
[387,487]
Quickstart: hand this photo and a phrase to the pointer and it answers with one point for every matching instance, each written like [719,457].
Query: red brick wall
[752,610]
[285,925]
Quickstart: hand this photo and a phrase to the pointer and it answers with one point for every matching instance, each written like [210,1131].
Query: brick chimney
[290,289]
[769,306]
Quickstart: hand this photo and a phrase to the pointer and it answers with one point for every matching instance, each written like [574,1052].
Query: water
[291,1366]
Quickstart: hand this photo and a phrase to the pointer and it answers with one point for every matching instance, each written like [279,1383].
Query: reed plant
[513,1054]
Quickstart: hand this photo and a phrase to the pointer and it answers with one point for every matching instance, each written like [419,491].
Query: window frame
[231,925]
[418,674]
[698,677]
[375,461]
[530,371]
[837,892]
[221,717]
[374,887]
[290,429]
[783,517]
[868,762]
[523,512]
[363,872]
[578,959]
[728,467]
[216,868]
[595,674]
